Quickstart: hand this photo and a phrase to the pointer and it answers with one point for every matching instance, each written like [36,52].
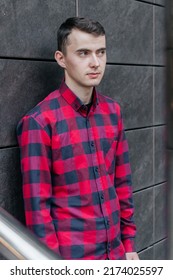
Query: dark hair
[82,24]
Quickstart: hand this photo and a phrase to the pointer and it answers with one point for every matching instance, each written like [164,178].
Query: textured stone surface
[132,87]
[160,250]
[160,2]
[160,36]
[159,154]
[160,212]
[160,95]
[10,182]
[23,85]
[28,28]
[147,1]
[144,218]
[140,150]
[127,40]
[147,254]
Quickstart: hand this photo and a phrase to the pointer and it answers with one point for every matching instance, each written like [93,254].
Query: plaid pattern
[76,176]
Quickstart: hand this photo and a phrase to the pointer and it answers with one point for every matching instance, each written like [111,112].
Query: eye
[101,52]
[83,53]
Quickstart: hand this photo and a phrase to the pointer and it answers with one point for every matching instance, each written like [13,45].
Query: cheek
[103,62]
[103,66]
[76,65]
[72,68]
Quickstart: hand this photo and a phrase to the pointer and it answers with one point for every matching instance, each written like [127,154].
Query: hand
[132,256]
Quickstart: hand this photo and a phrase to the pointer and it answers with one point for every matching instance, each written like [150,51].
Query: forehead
[79,39]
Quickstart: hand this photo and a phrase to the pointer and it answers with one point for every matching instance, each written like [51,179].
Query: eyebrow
[85,49]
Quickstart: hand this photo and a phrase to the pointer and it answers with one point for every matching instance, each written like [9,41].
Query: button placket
[107,223]
[92,143]
[108,247]
[102,196]
[92,146]
[96,171]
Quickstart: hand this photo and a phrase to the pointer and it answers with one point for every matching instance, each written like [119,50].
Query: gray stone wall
[135,77]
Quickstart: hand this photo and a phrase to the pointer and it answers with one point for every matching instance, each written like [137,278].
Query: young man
[74,157]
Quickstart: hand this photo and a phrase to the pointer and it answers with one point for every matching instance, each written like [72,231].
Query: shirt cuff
[129,245]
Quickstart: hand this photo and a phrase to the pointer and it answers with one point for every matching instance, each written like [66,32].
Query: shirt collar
[73,100]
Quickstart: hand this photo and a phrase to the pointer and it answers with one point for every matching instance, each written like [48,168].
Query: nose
[94,62]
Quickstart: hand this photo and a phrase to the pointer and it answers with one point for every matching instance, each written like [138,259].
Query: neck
[83,93]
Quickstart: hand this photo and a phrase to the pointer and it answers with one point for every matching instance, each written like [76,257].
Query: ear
[59,57]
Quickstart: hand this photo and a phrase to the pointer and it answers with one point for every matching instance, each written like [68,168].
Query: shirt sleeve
[35,150]
[123,185]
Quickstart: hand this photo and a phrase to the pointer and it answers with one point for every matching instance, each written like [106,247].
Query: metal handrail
[18,243]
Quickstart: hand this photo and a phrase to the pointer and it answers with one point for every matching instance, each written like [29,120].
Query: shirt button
[96,169]
[108,246]
[92,143]
[102,196]
[107,222]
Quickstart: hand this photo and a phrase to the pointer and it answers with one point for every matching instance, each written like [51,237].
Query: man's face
[85,59]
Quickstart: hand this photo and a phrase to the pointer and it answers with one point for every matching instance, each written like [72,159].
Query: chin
[95,83]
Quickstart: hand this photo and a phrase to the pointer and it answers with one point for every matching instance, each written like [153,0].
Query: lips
[93,75]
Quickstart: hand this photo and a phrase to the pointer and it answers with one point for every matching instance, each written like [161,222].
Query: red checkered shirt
[76,176]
